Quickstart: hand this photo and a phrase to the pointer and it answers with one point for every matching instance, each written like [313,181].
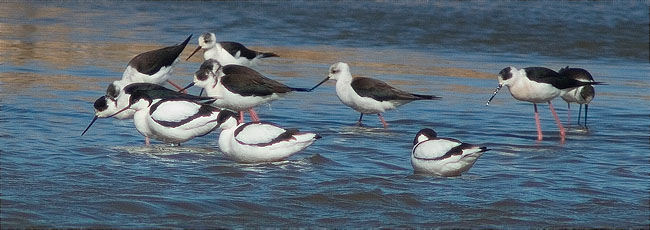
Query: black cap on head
[206,68]
[100,104]
[207,38]
[224,115]
[203,74]
[427,132]
[506,73]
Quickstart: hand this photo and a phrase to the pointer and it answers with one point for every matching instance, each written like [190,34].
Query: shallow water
[57,58]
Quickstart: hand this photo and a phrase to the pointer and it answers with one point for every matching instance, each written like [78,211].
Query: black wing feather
[150,62]
[240,69]
[234,47]
[253,85]
[549,76]
[379,90]
[155,91]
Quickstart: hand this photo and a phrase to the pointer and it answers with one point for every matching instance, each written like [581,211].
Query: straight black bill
[196,50]
[495,93]
[324,80]
[91,123]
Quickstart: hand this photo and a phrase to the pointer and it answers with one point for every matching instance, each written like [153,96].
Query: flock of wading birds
[232,87]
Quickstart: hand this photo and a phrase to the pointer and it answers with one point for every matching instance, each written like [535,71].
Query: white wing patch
[259,133]
[175,111]
[131,75]
[434,148]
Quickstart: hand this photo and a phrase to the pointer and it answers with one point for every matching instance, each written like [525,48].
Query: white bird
[228,53]
[581,95]
[238,88]
[442,156]
[537,85]
[171,120]
[367,95]
[255,142]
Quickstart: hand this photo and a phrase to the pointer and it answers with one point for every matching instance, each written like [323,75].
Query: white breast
[532,91]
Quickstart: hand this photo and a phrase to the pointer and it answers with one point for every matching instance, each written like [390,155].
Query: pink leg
[241,117]
[177,86]
[254,116]
[557,120]
[381,118]
[568,112]
[147,142]
[539,127]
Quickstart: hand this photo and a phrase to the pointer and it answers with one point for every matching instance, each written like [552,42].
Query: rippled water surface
[58,57]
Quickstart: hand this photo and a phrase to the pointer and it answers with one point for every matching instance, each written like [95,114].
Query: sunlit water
[57,58]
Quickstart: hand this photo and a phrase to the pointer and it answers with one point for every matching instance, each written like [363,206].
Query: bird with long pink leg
[537,85]
[238,88]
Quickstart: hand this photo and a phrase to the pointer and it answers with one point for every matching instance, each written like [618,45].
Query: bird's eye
[335,71]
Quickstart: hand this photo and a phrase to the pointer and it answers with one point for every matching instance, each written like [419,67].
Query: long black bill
[196,50]
[91,123]
[495,93]
[324,80]
[188,86]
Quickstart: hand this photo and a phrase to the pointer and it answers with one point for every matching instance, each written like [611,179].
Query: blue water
[58,57]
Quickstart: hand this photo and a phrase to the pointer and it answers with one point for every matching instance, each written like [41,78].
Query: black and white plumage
[367,95]
[442,156]
[174,119]
[228,53]
[104,108]
[537,85]
[581,95]
[255,142]
[238,88]
[153,66]
[119,107]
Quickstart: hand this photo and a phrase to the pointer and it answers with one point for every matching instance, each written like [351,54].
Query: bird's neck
[225,138]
